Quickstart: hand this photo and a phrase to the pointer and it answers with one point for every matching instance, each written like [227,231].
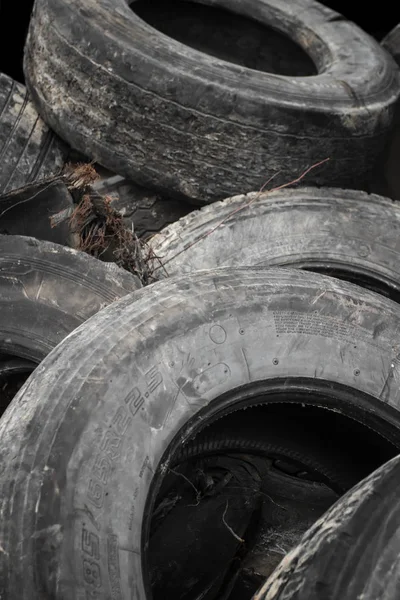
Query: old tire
[344,233]
[29,150]
[47,290]
[80,446]
[186,123]
[351,552]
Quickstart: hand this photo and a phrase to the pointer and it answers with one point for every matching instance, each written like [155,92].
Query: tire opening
[227,36]
[13,374]
[365,280]
[207,538]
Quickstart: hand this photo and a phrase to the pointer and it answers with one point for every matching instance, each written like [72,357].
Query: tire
[196,127]
[351,552]
[28,211]
[47,290]
[151,370]
[143,211]
[29,150]
[344,233]
[392,43]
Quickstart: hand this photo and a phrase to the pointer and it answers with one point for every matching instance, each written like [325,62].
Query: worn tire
[345,233]
[47,290]
[351,552]
[186,123]
[392,43]
[80,446]
[29,150]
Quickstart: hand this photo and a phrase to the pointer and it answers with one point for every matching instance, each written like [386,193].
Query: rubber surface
[80,446]
[351,552]
[47,290]
[344,232]
[28,211]
[29,150]
[187,123]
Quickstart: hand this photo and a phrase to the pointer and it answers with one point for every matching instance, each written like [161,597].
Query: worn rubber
[29,150]
[392,43]
[344,232]
[189,124]
[81,443]
[47,290]
[351,552]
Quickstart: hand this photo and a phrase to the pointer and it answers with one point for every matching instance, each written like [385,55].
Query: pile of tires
[200,303]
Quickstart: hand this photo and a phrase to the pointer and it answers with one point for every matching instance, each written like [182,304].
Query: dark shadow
[227,36]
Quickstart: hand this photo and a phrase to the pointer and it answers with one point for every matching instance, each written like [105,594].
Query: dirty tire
[345,233]
[143,211]
[80,446]
[29,150]
[392,43]
[189,124]
[47,290]
[351,552]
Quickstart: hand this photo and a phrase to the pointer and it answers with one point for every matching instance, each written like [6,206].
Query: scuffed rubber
[29,150]
[351,552]
[48,290]
[345,232]
[189,124]
[84,445]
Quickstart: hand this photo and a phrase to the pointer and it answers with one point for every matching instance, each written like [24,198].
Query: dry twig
[279,187]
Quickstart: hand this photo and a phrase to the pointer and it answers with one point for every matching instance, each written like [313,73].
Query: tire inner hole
[14,372]
[262,475]
[227,36]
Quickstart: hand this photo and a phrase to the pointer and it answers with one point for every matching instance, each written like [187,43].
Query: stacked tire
[157,440]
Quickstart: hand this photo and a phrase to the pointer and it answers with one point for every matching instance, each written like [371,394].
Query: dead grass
[100,231]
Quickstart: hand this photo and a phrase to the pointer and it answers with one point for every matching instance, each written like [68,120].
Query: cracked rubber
[348,233]
[84,444]
[48,290]
[351,552]
[29,150]
[189,124]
